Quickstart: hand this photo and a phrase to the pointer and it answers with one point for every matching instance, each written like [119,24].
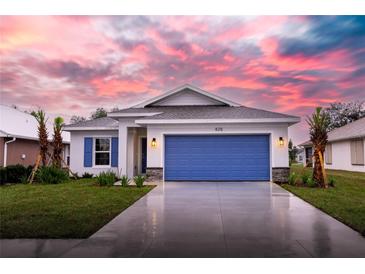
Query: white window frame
[354,153]
[94,152]
[328,154]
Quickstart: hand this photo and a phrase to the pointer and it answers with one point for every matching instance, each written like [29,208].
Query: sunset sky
[71,65]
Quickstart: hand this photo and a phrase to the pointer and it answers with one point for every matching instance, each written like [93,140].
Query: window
[102,151]
[328,154]
[357,152]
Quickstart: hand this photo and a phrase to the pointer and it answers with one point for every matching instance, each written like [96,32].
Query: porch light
[281,141]
[153,142]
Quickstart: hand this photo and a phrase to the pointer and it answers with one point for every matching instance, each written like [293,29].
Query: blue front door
[217,158]
[144,154]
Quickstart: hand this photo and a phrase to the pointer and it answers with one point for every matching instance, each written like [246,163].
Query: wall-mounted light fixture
[153,142]
[281,141]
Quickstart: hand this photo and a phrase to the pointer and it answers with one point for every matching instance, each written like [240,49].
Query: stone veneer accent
[154,174]
[280,174]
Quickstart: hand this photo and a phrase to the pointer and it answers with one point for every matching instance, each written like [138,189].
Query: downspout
[6,149]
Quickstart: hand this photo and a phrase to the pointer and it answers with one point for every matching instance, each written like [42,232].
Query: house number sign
[218,129]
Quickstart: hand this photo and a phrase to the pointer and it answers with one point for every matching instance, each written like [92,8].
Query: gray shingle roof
[104,122]
[182,112]
[352,130]
[205,112]
[306,143]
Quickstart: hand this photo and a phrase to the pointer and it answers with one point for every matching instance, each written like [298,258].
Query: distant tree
[99,113]
[341,114]
[293,151]
[76,119]
[318,129]
[40,116]
[57,142]
[14,106]
[114,109]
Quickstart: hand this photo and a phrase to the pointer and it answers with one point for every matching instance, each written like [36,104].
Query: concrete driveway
[222,219]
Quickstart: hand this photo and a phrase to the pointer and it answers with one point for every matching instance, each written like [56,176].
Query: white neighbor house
[19,138]
[345,149]
[186,134]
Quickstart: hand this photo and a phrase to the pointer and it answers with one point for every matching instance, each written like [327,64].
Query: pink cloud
[74,64]
[253,27]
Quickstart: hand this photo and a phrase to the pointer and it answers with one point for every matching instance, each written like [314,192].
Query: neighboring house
[19,137]
[346,147]
[186,134]
[307,159]
[300,155]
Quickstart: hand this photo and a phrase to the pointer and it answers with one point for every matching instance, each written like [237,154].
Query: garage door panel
[212,157]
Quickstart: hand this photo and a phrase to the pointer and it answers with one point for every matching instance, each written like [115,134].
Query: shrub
[292,178]
[331,181]
[51,175]
[125,180]
[15,174]
[24,180]
[87,175]
[305,177]
[3,175]
[311,182]
[75,176]
[107,178]
[139,180]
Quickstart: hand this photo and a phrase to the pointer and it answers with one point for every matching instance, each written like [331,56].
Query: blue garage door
[217,158]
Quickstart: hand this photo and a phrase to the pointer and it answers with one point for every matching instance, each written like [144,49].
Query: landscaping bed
[345,201]
[74,209]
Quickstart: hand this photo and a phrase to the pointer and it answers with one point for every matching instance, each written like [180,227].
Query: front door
[144,154]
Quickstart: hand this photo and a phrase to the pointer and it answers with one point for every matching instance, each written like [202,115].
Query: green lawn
[345,201]
[75,209]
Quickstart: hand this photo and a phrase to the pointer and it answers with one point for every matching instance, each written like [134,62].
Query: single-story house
[19,138]
[185,134]
[307,159]
[300,155]
[345,149]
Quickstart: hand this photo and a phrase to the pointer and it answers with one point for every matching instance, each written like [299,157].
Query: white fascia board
[178,89]
[218,121]
[127,115]
[4,134]
[346,138]
[89,128]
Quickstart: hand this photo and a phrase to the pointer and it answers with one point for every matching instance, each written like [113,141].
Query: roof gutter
[217,121]
[346,138]
[6,149]
[89,128]
[132,115]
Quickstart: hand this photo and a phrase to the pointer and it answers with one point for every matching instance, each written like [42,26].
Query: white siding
[129,161]
[77,151]
[341,157]
[279,154]
[187,98]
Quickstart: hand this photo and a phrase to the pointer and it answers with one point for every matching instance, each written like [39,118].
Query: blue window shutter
[88,152]
[114,151]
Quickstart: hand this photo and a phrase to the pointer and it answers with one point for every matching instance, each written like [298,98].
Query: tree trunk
[325,185]
[317,170]
[43,153]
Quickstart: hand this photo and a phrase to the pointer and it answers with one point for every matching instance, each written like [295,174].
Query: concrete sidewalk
[210,219]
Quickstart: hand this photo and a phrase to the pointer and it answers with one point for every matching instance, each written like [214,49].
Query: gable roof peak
[183,88]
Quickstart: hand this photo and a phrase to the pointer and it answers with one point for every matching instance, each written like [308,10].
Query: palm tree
[57,141]
[40,116]
[318,128]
